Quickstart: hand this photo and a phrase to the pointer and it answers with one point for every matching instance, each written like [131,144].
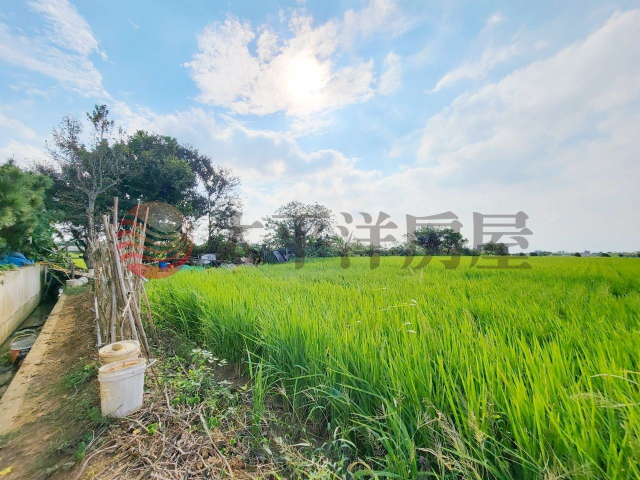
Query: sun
[305,78]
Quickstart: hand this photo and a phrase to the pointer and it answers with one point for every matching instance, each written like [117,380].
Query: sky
[406,108]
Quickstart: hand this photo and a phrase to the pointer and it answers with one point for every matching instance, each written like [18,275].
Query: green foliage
[159,169]
[144,166]
[296,225]
[198,383]
[24,224]
[436,240]
[84,175]
[465,373]
[493,248]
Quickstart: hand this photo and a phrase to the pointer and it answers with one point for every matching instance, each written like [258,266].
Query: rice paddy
[474,373]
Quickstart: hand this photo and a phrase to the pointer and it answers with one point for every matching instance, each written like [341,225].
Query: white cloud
[263,154]
[379,16]
[543,105]
[299,75]
[391,79]
[555,139]
[394,152]
[494,19]
[17,126]
[560,131]
[491,57]
[23,154]
[62,53]
[67,28]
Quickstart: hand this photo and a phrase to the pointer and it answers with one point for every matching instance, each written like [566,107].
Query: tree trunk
[91,208]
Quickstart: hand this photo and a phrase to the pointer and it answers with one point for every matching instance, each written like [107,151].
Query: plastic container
[118,351]
[121,387]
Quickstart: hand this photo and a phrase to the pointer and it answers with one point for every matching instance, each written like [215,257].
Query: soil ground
[43,437]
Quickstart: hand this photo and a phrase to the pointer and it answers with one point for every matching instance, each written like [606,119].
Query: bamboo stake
[115,213]
[95,304]
[143,235]
[118,273]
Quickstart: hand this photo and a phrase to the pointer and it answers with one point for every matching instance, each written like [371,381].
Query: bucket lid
[23,341]
[119,349]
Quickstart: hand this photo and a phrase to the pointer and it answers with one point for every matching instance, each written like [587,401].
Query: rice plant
[475,373]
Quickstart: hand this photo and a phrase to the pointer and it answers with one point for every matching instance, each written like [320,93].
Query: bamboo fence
[119,287]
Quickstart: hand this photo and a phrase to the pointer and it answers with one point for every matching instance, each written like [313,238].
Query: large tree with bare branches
[84,171]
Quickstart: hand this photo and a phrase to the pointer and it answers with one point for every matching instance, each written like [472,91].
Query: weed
[82,373]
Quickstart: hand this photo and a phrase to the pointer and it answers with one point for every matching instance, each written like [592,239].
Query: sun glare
[305,78]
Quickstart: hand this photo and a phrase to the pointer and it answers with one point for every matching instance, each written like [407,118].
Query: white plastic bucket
[118,351]
[121,387]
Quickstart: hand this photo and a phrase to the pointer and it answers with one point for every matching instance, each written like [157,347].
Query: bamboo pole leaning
[118,285]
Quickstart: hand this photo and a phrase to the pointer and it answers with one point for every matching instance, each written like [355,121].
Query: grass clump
[83,372]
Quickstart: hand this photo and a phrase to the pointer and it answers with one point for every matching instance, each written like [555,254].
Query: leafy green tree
[143,167]
[297,224]
[452,240]
[435,240]
[222,205]
[24,224]
[158,168]
[84,174]
[493,248]
[430,238]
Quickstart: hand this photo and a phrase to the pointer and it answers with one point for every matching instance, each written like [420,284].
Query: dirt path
[40,418]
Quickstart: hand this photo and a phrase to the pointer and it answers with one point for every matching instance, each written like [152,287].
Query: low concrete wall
[20,293]
[14,399]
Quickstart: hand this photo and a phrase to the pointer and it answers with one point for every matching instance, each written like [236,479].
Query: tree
[221,200]
[84,173]
[24,224]
[296,224]
[452,240]
[493,248]
[577,254]
[160,169]
[436,240]
[143,167]
[429,238]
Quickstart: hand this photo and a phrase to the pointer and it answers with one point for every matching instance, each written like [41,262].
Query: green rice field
[460,373]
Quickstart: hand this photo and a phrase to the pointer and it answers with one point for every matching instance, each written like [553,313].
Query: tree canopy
[142,167]
[297,224]
[24,224]
[435,240]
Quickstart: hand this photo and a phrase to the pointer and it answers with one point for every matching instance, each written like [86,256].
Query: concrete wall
[20,293]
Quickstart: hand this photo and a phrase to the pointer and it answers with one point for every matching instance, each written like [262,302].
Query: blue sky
[408,108]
